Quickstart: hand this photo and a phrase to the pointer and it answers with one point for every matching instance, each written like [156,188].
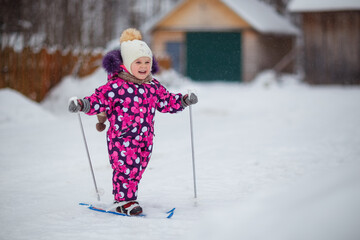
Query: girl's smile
[141,67]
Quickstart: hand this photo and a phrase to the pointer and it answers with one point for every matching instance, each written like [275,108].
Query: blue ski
[99,209]
[171,213]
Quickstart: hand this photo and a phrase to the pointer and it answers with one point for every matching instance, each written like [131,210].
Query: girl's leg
[124,189]
[129,160]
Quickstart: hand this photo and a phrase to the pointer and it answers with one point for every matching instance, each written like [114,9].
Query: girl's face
[141,67]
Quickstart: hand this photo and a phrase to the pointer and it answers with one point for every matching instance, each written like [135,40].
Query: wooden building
[331,40]
[222,39]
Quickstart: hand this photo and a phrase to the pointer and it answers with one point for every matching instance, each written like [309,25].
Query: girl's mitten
[76,105]
[189,100]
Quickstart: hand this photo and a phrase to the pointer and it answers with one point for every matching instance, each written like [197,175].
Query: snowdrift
[18,109]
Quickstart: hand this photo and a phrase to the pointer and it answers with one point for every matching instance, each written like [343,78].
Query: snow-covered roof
[328,5]
[261,16]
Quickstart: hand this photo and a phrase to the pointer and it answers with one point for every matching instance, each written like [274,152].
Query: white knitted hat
[132,47]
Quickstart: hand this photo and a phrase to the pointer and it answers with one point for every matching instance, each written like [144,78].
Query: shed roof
[260,16]
[321,6]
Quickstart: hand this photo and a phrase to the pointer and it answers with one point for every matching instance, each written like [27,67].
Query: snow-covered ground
[272,162]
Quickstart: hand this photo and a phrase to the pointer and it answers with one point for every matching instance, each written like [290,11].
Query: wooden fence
[35,73]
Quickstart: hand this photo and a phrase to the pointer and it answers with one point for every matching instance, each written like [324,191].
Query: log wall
[332,47]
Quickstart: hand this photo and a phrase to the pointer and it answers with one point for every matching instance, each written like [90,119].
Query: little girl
[130,98]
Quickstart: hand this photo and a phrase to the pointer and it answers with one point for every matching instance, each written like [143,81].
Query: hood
[112,62]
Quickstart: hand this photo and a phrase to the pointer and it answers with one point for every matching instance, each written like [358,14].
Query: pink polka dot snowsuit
[130,109]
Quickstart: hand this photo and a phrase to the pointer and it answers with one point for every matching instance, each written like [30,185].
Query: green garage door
[213,56]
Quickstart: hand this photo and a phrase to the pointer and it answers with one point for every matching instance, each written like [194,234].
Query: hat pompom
[130,34]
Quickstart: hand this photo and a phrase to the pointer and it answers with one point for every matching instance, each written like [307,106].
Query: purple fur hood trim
[112,61]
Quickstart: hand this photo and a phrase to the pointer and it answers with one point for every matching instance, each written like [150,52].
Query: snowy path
[250,142]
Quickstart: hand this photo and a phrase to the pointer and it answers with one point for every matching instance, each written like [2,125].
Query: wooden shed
[222,39]
[331,40]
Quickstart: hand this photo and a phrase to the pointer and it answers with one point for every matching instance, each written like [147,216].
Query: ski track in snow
[251,144]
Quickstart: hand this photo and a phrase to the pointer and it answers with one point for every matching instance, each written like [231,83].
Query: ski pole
[192,147]
[87,151]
